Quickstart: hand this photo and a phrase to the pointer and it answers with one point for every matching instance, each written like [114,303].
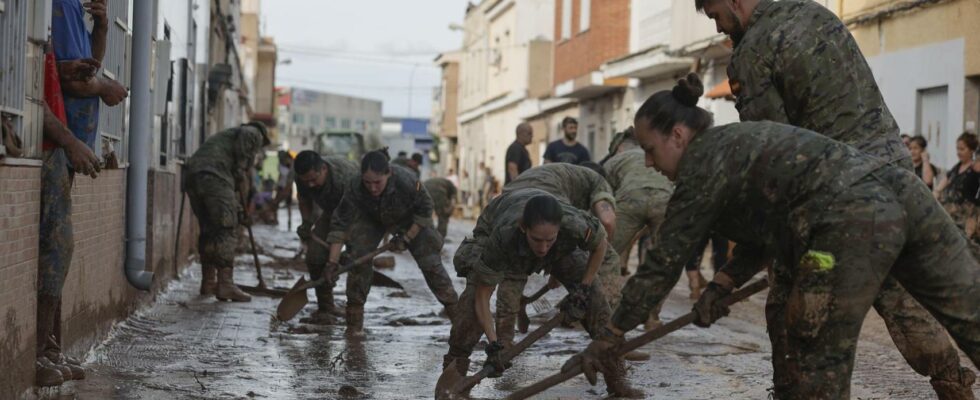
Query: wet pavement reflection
[185,346]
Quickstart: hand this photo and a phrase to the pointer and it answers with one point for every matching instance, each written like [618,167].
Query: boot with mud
[355,321]
[959,387]
[618,386]
[53,353]
[505,331]
[227,290]
[209,280]
[697,283]
[652,322]
[46,373]
[462,365]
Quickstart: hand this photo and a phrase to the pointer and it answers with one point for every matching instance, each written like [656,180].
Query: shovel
[296,299]
[637,342]
[261,289]
[523,320]
[451,384]
[378,279]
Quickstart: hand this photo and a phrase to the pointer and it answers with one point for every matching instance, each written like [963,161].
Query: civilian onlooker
[518,159]
[958,192]
[75,49]
[924,169]
[567,149]
[452,177]
[906,139]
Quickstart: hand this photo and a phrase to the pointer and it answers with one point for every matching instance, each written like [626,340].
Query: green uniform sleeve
[584,229]
[759,80]
[486,255]
[690,215]
[601,191]
[247,144]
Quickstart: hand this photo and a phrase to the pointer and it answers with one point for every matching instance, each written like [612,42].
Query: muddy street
[188,347]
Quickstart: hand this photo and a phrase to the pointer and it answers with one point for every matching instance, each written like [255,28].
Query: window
[584,14]
[345,123]
[360,125]
[331,122]
[299,118]
[566,19]
[315,121]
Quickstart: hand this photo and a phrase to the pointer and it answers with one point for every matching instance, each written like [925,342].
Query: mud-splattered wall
[19,215]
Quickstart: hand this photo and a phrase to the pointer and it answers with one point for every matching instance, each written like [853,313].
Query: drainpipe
[139,146]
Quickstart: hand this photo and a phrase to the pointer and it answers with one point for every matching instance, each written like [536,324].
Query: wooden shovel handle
[636,342]
[511,352]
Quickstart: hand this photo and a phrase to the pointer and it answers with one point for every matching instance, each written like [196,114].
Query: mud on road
[188,347]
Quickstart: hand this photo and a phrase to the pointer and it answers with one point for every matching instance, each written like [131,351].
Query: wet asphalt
[185,346]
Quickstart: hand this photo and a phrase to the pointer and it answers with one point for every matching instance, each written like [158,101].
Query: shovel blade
[446,385]
[381,280]
[292,302]
[264,291]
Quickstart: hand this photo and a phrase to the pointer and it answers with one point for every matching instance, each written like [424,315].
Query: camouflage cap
[619,138]
[263,130]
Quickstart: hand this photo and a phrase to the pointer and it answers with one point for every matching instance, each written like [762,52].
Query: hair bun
[688,90]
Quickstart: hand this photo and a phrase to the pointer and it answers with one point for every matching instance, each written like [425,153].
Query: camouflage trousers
[816,310]
[216,206]
[466,330]
[317,256]
[443,213]
[56,244]
[425,249]
[510,291]
[636,211]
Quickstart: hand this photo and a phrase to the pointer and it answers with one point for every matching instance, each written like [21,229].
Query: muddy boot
[618,386]
[696,282]
[957,388]
[46,373]
[227,291]
[462,368]
[325,303]
[209,280]
[355,321]
[54,354]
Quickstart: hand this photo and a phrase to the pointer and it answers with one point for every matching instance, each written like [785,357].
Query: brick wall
[19,215]
[607,38]
[96,292]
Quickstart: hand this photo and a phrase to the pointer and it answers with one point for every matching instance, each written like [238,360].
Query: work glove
[494,359]
[709,308]
[398,242]
[304,231]
[330,271]
[576,304]
[598,357]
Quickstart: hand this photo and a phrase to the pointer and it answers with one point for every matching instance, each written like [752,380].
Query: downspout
[139,146]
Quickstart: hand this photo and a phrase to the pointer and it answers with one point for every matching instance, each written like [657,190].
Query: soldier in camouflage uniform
[217,177]
[522,232]
[386,199]
[321,183]
[641,199]
[795,62]
[838,221]
[443,193]
[584,189]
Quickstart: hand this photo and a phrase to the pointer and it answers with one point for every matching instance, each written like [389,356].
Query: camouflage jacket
[227,154]
[750,182]
[503,249]
[798,64]
[403,202]
[441,190]
[580,186]
[627,171]
[403,162]
[341,172]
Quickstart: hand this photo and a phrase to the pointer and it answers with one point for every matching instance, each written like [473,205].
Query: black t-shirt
[919,169]
[963,187]
[516,154]
[557,151]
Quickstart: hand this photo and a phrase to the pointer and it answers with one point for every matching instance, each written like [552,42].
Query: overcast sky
[375,49]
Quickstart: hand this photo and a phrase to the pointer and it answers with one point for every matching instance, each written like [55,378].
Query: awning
[721,91]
